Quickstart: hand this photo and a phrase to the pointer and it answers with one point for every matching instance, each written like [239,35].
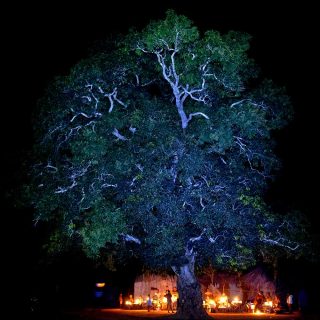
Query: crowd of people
[266,303]
[169,301]
[156,301]
[269,303]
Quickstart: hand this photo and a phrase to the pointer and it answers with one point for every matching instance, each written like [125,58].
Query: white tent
[151,283]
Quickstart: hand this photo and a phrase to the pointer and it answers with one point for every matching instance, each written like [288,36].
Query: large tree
[161,147]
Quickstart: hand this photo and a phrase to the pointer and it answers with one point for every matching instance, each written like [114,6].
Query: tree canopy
[162,147]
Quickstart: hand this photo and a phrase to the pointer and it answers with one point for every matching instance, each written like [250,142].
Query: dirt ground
[120,314]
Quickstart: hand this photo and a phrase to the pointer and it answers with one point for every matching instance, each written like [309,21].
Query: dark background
[42,41]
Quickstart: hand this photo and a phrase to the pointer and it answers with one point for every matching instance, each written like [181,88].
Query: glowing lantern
[236,301]
[223,298]
[268,303]
[100,284]
[212,303]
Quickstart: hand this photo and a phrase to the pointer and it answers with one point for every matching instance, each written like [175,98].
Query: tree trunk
[190,303]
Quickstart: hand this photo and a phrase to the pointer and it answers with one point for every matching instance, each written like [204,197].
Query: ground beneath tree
[120,314]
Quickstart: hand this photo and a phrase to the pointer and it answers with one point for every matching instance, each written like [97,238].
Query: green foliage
[101,226]
[112,160]
[159,33]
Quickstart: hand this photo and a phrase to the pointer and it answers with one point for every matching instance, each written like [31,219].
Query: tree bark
[190,303]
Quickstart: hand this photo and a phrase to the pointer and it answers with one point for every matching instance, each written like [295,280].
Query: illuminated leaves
[114,158]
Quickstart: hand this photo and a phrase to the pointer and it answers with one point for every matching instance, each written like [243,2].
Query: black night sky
[43,41]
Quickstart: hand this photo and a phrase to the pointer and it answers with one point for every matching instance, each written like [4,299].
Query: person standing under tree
[169,301]
[290,302]
[149,303]
[175,301]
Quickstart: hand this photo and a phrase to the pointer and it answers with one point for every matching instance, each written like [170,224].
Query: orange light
[236,301]
[223,298]
[138,301]
[100,284]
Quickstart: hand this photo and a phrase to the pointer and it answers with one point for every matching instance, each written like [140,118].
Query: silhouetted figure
[169,301]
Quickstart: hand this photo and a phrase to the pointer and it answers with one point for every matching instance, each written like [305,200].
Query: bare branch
[281,242]
[202,205]
[223,161]
[107,185]
[238,102]
[130,238]
[191,240]
[65,189]
[214,239]
[197,114]
[205,180]
[51,167]
[261,105]
[116,133]
[75,174]
[113,97]
[132,129]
